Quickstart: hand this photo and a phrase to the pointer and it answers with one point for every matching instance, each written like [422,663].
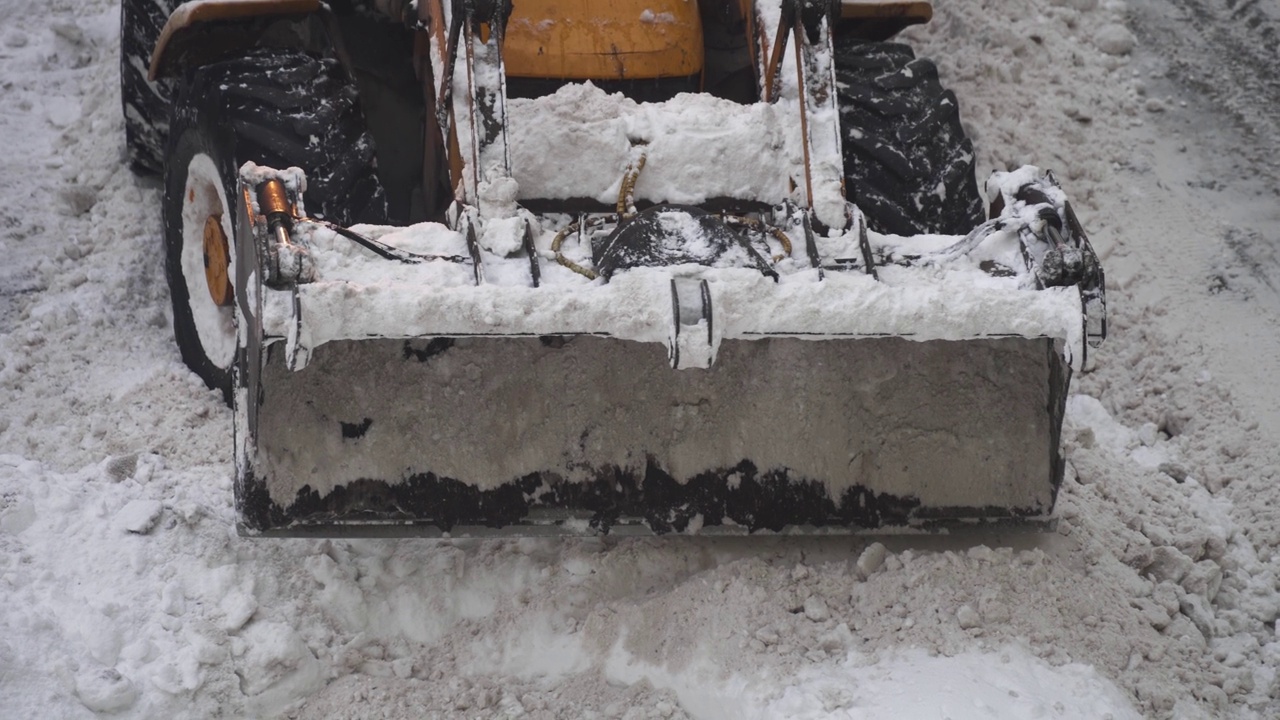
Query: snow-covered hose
[569,229]
[626,193]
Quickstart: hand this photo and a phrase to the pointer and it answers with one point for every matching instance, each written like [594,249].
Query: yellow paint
[593,40]
[217,262]
[911,12]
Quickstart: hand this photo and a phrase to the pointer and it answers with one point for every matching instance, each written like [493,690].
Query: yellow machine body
[567,39]
[591,40]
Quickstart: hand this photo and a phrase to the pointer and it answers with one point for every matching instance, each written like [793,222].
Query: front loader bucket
[593,434]
[419,383]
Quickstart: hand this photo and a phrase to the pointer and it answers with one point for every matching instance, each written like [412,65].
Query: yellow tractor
[564,267]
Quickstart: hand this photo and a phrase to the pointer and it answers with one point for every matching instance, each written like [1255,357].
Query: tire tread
[908,163]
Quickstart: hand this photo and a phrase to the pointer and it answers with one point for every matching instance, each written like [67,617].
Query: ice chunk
[139,516]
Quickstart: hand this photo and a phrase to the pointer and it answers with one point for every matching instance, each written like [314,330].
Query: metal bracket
[693,340]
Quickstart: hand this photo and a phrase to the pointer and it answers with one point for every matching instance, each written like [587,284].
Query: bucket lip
[635,527]
[862,512]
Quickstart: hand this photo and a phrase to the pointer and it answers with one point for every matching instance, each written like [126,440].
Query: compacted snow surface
[125,592]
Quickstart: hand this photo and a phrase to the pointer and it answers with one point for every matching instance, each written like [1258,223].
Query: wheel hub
[217,260]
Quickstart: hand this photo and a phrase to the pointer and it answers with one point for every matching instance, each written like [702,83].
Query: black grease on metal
[706,311]
[531,251]
[995,269]
[811,245]
[473,247]
[740,495]
[864,244]
[434,347]
[355,431]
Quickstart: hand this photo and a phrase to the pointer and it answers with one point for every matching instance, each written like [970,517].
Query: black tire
[908,164]
[275,107]
[145,104]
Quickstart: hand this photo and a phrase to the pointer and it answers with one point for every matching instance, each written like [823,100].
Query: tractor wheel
[145,103]
[275,107]
[908,165]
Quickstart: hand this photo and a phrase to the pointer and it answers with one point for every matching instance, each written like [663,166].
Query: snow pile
[126,592]
[600,132]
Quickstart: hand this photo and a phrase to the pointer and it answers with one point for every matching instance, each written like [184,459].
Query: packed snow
[127,593]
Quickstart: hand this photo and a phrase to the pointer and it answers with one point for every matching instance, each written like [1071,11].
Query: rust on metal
[217,262]
[273,199]
[775,59]
[431,18]
[913,12]
[804,114]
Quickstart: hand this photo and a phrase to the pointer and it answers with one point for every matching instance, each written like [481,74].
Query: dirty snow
[126,593]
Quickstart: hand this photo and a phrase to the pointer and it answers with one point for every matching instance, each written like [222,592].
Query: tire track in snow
[1230,60]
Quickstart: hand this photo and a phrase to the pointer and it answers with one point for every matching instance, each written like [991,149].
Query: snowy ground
[125,589]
